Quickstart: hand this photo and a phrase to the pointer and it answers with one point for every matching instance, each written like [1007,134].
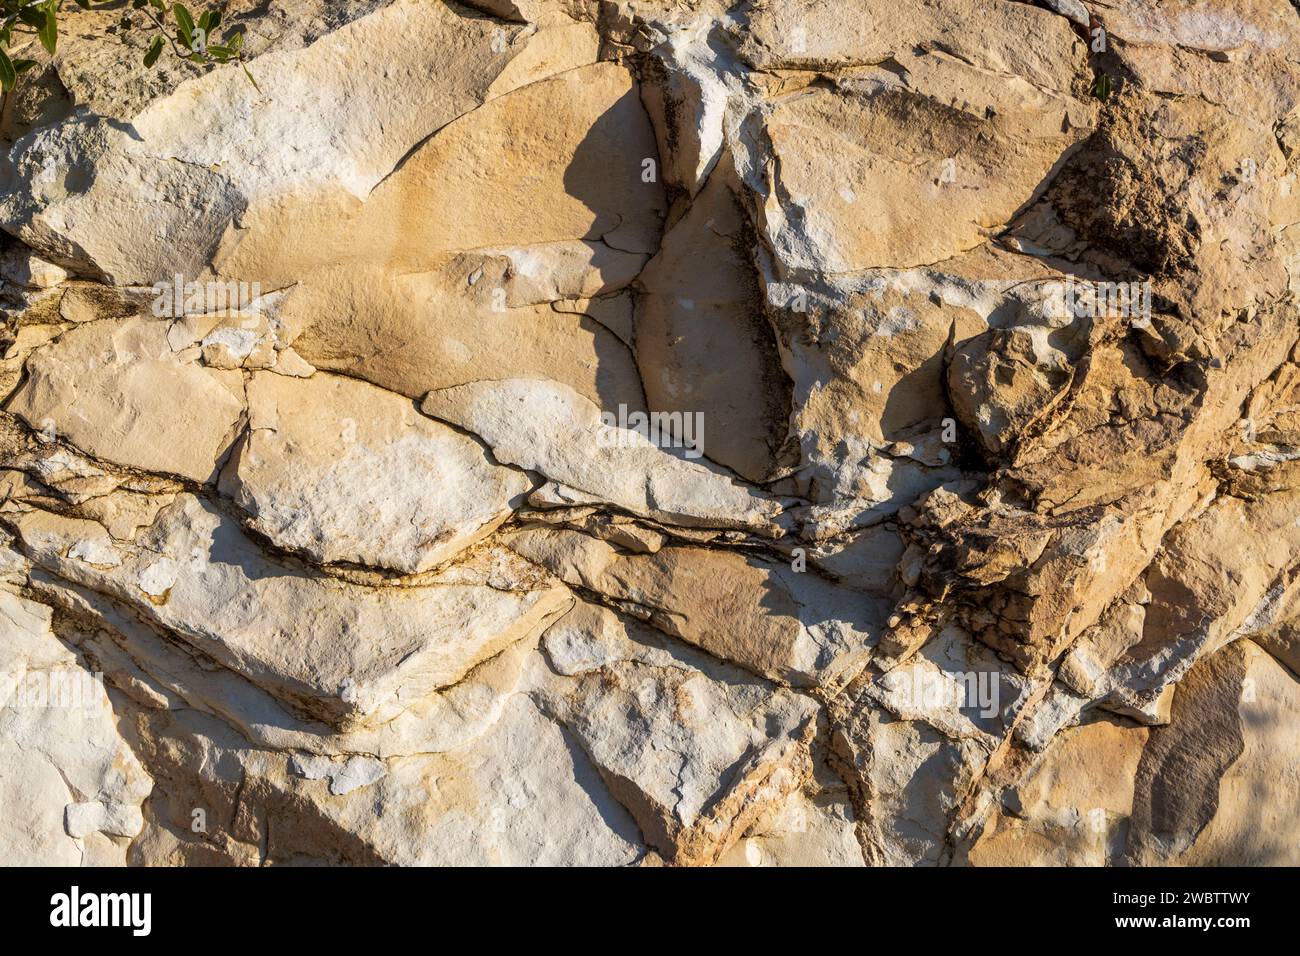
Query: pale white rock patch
[547,427]
[338,652]
[522,794]
[157,671]
[344,776]
[72,786]
[696,750]
[344,472]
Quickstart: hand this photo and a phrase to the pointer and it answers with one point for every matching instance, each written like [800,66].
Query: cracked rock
[558,433]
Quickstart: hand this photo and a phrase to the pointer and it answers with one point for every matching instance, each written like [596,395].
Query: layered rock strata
[558,432]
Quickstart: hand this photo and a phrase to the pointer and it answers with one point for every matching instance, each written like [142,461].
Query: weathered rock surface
[698,751]
[550,429]
[72,785]
[1213,785]
[118,391]
[363,651]
[545,432]
[344,472]
[790,627]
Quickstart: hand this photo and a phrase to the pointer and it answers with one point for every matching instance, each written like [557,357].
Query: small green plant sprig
[1102,87]
[187,37]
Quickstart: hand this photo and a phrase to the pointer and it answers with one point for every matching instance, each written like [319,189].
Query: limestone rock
[949,158]
[548,432]
[117,390]
[814,827]
[1221,802]
[802,630]
[697,751]
[365,652]
[1108,793]
[544,427]
[342,471]
[419,332]
[702,347]
[518,796]
[1074,808]
[583,139]
[127,190]
[73,785]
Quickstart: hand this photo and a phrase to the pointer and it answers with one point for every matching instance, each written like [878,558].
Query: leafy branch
[177,29]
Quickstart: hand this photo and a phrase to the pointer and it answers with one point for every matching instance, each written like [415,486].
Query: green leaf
[251,80]
[215,21]
[32,17]
[8,76]
[184,23]
[84,4]
[236,43]
[22,66]
[152,54]
[139,4]
[49,33]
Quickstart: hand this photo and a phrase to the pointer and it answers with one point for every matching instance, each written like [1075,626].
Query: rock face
[348,473]
[574,433]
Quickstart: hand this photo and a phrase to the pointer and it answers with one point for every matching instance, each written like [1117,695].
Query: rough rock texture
[661,433]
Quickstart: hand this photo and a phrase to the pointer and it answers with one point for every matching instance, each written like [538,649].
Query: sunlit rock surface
[554,432]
